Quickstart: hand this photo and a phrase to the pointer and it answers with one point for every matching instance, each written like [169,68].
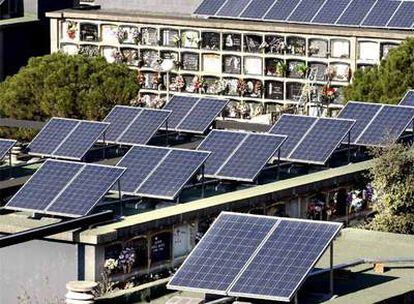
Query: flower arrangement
[219,87]
[141,79]
[301,69]
[72,28]
[281,68]
[121,34]
[126,259]
[244,109]
[241,87]
[118,57]
[177,84]
[136,36]
[156,81]
[177,40]
[313,49]
[328,94]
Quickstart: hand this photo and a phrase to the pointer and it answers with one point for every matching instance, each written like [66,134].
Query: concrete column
[54,35]
[1,55]
[94,262]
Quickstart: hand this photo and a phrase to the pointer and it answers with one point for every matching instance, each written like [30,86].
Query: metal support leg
[203,186]
[10,164]
[331,271]
[349,147]
[121,211]
[166,133]
[104,145]
[278,165]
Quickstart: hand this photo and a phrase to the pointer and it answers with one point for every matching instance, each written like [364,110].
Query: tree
[393,178]
[388,82]
[66,86]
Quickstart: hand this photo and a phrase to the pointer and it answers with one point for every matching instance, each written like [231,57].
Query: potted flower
[241,87]
[72,29]
[177,40]
[281,68]
[136,36]
[301,69]
[121,34]
[126,259]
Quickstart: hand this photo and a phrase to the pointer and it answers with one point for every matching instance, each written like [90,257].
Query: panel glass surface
[408,99]
[221,144]
[168,179]
[381,13]
[285,259]
[363,113]
[319,144]
[331,11]
[281,10]
[356,12]
[78,143]
[233,8]
[86,190]
[257,9]
[51,136]
[120,117]
[139,161]
[404,17]
[202,116]
[209,7]
[388,126]
[251,157]
[5,146]
[294,127]
[180,107]
[44,185]
[222,253]
[306,10]
[144,127]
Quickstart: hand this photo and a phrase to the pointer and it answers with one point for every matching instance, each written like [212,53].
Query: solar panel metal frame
[228,292]
[12,143]
[79,121]
[395,13]
[405,102]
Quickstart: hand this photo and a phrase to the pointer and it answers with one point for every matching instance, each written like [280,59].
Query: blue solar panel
[404,17]
[141,130]
[381,13]
[362,113]
[51,136]
[306,10]
[254,153]
[321,141]
[281,10]
[331,11]
[257,9]
[233,8]
[284,261]
[356,12]
[408,99]
[5,146]
[202,115]
[168,179]
[209,7]
[221,144]
[294,127]
[388,126]
[120,118]
[85,190]
[139,161]
[78,143]
[48,181]
[222,253]
[180,107]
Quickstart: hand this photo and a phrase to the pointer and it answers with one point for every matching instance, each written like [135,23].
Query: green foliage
[388,82]
[393,178]
[66,86]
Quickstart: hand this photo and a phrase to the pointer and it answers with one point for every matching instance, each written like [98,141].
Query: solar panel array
[193,114]
[161,173]
[309,139]
[131,125]
[65,188]
[251,256]
[408,99]
[355,13]
[377,125]
[239,155]
[5,146]
[67,138]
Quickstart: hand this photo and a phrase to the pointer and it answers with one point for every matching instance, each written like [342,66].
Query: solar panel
[381,13]
[404,16]
[295,127]
[331,11]
[120,118]
[65,188]
[306,10]
[321,141]
[281,10]
[168,179]
[233,8]
[363,113]
[388,126]
[252,256]
[222,253]
[408,99]
[251,157]
[5,146]
[221,144]
[356,12]
[87,188]
[285,259]
[193,114]
[209,7]
[257,9]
